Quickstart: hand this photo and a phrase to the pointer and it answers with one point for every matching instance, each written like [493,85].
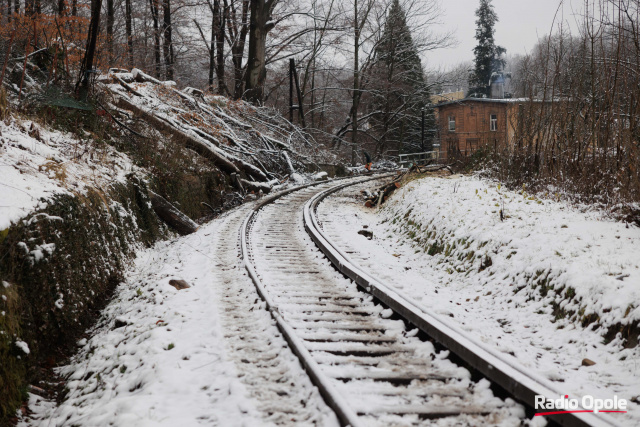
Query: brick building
[469,124]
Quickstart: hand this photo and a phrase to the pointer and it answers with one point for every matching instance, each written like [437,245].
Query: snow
[293,280]
[36,164]
[542,249]
[23,346]
[163,357]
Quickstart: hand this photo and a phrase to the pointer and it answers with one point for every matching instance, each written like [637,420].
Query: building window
[452,123]
[494,122]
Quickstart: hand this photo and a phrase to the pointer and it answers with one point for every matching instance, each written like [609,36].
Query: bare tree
[260,23]
[167,39]
[92,38]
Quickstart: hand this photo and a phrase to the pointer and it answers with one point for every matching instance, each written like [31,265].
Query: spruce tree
[403,92]
[488,56]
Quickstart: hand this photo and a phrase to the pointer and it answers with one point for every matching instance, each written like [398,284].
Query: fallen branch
[127,86]
[381,195]
[119,123]
[210,207]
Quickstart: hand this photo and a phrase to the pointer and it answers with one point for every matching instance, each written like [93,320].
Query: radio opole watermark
[588,403]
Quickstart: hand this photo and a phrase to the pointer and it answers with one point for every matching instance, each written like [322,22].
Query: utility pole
[293,78]
[291,66]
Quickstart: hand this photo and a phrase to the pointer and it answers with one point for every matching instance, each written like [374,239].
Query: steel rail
[333,399]
[522,385]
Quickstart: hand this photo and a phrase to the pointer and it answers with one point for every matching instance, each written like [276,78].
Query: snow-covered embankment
[548,285]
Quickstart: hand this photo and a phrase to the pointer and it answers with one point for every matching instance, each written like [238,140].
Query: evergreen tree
[402,91]
[488,56]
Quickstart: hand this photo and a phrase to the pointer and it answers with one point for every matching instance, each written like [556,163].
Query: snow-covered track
[519,383]
[369,369]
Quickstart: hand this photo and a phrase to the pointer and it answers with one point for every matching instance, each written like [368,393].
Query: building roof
[447,96]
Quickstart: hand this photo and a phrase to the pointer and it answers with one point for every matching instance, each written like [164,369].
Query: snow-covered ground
[36,163]
[523,285]
[162,356]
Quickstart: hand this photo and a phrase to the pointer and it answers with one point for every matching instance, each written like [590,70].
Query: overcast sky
[520,24]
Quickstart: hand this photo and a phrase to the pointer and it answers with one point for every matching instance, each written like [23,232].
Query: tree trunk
[168,44]
[171,215]
[110,19]
[256,73]
[127,12]
[222,87]
[16,6]
[356,85]
[156,34]
[92,38]
[237,49]
[61,7]
[214,32]
[74,7]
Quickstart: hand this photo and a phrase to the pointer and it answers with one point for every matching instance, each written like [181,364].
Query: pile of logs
[380,195]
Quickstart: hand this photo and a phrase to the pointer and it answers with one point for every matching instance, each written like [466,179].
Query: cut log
[171,216]
[142,77]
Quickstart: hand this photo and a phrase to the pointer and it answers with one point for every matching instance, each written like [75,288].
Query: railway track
[365,357]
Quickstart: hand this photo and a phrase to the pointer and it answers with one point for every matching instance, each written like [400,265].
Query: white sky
[520,24]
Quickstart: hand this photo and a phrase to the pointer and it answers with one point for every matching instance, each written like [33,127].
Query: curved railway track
[356,339]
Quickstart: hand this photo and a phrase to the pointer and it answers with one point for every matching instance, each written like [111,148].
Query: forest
[357,66]
[352,73]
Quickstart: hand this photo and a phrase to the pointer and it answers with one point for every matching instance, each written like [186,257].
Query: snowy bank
[581,267]
[37,163]
[548,286]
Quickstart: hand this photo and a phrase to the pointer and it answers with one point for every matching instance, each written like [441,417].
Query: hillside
[85,186]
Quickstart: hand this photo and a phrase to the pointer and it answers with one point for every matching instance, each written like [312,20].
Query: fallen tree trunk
[142,77]
[171,215]
[253,171]
[289,164]
[200,146]
[433,168]
[127,86]
[256,187]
